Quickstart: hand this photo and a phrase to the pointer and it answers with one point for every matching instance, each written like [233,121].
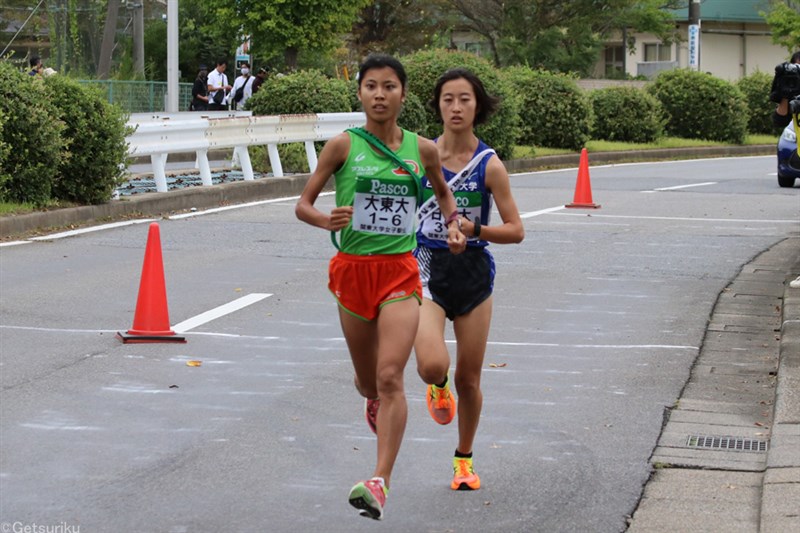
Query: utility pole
[109,34]
[172,56]
[138,37]
[694,34]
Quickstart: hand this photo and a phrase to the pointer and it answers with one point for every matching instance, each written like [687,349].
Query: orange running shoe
[464,477]
[371,413]
[441,403]
[369,497]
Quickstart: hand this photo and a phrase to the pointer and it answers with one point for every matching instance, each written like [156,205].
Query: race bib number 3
[384,205]
[468,204]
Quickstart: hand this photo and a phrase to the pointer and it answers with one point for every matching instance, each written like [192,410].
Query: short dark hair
[244,64]
[486,103]
[795,57]
[35,60]
[222,61]
[381,61]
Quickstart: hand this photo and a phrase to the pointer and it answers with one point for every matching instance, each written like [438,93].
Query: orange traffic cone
[583,188]
[151,321]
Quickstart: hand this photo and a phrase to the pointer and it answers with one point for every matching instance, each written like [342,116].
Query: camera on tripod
[787,82]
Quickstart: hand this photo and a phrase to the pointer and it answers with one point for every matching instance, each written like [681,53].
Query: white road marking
[541,212]
[689,219]
[91,229]
[13,243]
[238,206]
[682,186]
[217,312]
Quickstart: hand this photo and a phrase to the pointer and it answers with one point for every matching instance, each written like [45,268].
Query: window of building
[657,52]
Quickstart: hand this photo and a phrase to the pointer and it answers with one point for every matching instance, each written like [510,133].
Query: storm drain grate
[736,444]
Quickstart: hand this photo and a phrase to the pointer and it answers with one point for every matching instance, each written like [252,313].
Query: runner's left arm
[511,231]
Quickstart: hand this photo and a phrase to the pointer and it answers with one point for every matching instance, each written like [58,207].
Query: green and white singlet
[383,196]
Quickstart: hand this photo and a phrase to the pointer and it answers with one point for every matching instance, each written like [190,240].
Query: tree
[291,25]
[784,23]
[560,35]
[201,40]
[399,27]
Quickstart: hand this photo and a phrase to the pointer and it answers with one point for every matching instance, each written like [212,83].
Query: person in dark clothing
[781,117]
[261,75]
[36,66]
[200,90]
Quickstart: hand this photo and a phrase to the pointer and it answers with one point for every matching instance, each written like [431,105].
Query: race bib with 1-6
[384,205]
[468,204]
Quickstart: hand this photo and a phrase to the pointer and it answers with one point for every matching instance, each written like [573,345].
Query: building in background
[735,41]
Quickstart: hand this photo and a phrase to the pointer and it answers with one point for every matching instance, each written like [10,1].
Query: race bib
[468,204]
[384,205]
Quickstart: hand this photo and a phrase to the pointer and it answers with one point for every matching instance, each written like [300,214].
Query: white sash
[430,205]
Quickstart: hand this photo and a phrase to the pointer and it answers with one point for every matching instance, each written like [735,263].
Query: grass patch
[528,152]
[12,208]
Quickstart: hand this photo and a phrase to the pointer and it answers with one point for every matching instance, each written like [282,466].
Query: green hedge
[307,91]
[32,131]
[626,114]
[555,112]
[424,68]
[90,168]
[700,106]
[756,88]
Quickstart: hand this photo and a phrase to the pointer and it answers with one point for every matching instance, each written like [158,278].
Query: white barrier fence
[158,135]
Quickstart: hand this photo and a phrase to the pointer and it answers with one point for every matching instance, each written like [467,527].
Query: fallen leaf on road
[497,365]
[194,363]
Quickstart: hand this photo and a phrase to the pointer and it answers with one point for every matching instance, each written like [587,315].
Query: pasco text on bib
[468,204]
[384,205]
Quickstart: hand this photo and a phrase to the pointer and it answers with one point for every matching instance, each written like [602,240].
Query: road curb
[781,490]
[162,204]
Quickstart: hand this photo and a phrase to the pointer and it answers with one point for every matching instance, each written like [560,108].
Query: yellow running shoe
[464,477]
[441,403]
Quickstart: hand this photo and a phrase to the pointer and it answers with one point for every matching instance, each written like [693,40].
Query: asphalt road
[599,315]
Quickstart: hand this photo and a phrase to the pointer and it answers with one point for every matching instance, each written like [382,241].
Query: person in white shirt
[245,83]
[218,88]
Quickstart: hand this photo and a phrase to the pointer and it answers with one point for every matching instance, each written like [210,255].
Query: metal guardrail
[158,135]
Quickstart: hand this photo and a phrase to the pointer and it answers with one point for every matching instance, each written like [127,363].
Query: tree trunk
[291,58]
[109,36]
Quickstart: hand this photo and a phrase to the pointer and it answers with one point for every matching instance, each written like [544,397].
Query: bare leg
[472,332]
[433,359]
[362,342]
[380,350]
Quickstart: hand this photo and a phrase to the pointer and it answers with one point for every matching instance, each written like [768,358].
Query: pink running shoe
[371,413]
[369,497]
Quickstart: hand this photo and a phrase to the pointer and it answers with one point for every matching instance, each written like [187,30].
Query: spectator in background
[36,66]
[218,88]
[242,87]
[261,75]
[200,90]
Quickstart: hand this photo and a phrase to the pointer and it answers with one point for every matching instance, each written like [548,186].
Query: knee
[431,373]
[467,385]
[389,381]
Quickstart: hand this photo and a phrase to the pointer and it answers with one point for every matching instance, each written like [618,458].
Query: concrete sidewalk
[728,458]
